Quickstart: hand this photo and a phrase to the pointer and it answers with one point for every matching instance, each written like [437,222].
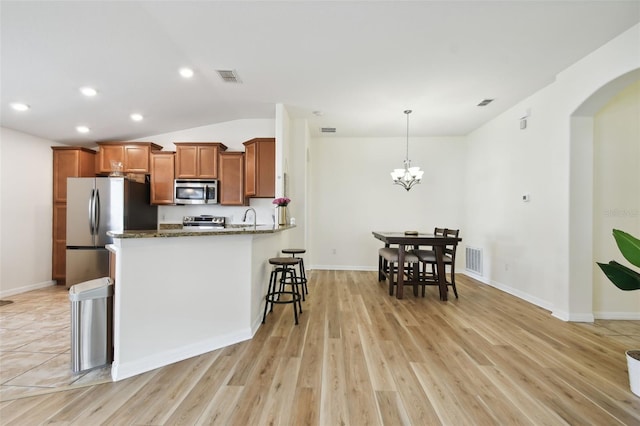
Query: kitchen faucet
[244,218]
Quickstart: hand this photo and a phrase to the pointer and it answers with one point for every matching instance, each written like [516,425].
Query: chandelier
[408,176]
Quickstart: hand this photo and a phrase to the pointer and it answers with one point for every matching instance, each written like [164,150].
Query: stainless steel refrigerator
[98,205]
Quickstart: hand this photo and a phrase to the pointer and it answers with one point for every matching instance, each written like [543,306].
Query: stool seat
[289,261]
[294,251]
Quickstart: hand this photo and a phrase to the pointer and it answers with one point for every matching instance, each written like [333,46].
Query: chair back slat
[451,250]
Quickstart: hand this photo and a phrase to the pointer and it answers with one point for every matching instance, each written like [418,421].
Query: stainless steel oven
[195,191]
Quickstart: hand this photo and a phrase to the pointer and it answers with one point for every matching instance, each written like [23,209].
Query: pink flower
[283,201]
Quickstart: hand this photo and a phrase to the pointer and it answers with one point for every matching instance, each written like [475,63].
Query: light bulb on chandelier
[409,176]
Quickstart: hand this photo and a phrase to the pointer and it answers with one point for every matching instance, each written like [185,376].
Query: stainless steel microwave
[195,191]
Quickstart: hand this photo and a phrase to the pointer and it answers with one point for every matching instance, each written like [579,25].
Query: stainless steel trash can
[91,324]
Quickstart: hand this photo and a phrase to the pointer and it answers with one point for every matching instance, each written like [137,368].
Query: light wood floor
[361,357]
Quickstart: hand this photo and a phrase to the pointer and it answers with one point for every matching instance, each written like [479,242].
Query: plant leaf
[623,277]
[629,246]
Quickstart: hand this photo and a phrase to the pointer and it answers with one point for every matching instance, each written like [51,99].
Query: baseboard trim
[26,288]
[341,268]
[120,371]
[627,316]
[513,291]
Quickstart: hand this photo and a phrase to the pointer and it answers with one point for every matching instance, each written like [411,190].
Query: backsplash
[263,206]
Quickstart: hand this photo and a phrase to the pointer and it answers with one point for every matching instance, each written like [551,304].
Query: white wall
[616,196]
[533,249]
[352,194]
[230,133]
[26,176]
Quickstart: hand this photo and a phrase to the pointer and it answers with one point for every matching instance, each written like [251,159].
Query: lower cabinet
[59,255]
[231,180]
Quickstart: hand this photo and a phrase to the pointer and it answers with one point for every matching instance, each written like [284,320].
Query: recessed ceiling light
[186,72]
[136,117]
[20,106]
[82,129]
[88,91]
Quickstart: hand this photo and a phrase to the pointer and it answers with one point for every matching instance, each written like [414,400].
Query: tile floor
[35,340]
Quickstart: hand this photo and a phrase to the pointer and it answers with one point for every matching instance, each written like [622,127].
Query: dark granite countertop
[166,232]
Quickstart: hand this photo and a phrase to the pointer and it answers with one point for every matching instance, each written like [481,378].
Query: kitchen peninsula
[181,293]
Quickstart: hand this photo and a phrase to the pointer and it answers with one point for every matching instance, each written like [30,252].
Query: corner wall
[536,250]
[26,175]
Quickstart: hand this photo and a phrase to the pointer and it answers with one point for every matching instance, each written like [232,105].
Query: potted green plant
[626,279]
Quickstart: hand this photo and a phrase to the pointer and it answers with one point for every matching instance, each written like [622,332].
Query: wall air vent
[485,102]
[229,76]
[328,129]
[473,260]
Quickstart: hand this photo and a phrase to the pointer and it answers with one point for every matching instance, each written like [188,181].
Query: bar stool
[285,266]
[302,278]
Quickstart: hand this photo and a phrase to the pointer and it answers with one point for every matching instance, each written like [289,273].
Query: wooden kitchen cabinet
[134,156]
[231,181]
[197,160]
[67,162]
[162,176]
[70,162]
[59,252]
[260,168]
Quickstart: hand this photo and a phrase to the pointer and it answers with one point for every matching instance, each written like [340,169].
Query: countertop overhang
[198,232]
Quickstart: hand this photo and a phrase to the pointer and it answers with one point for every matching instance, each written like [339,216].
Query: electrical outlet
[333,251]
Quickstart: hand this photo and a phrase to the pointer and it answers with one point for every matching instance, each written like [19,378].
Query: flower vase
[282,215]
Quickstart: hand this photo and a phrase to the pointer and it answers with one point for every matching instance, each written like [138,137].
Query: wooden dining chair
[428,262]
[388,267]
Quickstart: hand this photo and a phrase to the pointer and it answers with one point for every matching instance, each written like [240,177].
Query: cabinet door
[136,159]
[208,162]
[65,164]
[107,154]
[162,175]
[59,258]
[231,181]
[260,167]
[266,169]
[250,169]
[70,163]
[186,162]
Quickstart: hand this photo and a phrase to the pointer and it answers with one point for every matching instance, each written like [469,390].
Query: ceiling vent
[229,76]
[328,129]
[485,102]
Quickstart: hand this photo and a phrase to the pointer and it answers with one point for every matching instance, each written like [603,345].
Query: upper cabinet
[230,185]
[260,167]
[134,156]
[70,161]
[197,159]
[162,175]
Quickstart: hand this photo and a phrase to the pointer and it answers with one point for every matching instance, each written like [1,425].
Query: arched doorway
[581,196]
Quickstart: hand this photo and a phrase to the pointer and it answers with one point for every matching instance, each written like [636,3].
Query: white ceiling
[359,63]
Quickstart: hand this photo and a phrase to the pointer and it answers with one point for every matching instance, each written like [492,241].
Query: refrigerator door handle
[92,210]
[96,210]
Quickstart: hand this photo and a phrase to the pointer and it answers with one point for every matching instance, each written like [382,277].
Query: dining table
[417,239]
